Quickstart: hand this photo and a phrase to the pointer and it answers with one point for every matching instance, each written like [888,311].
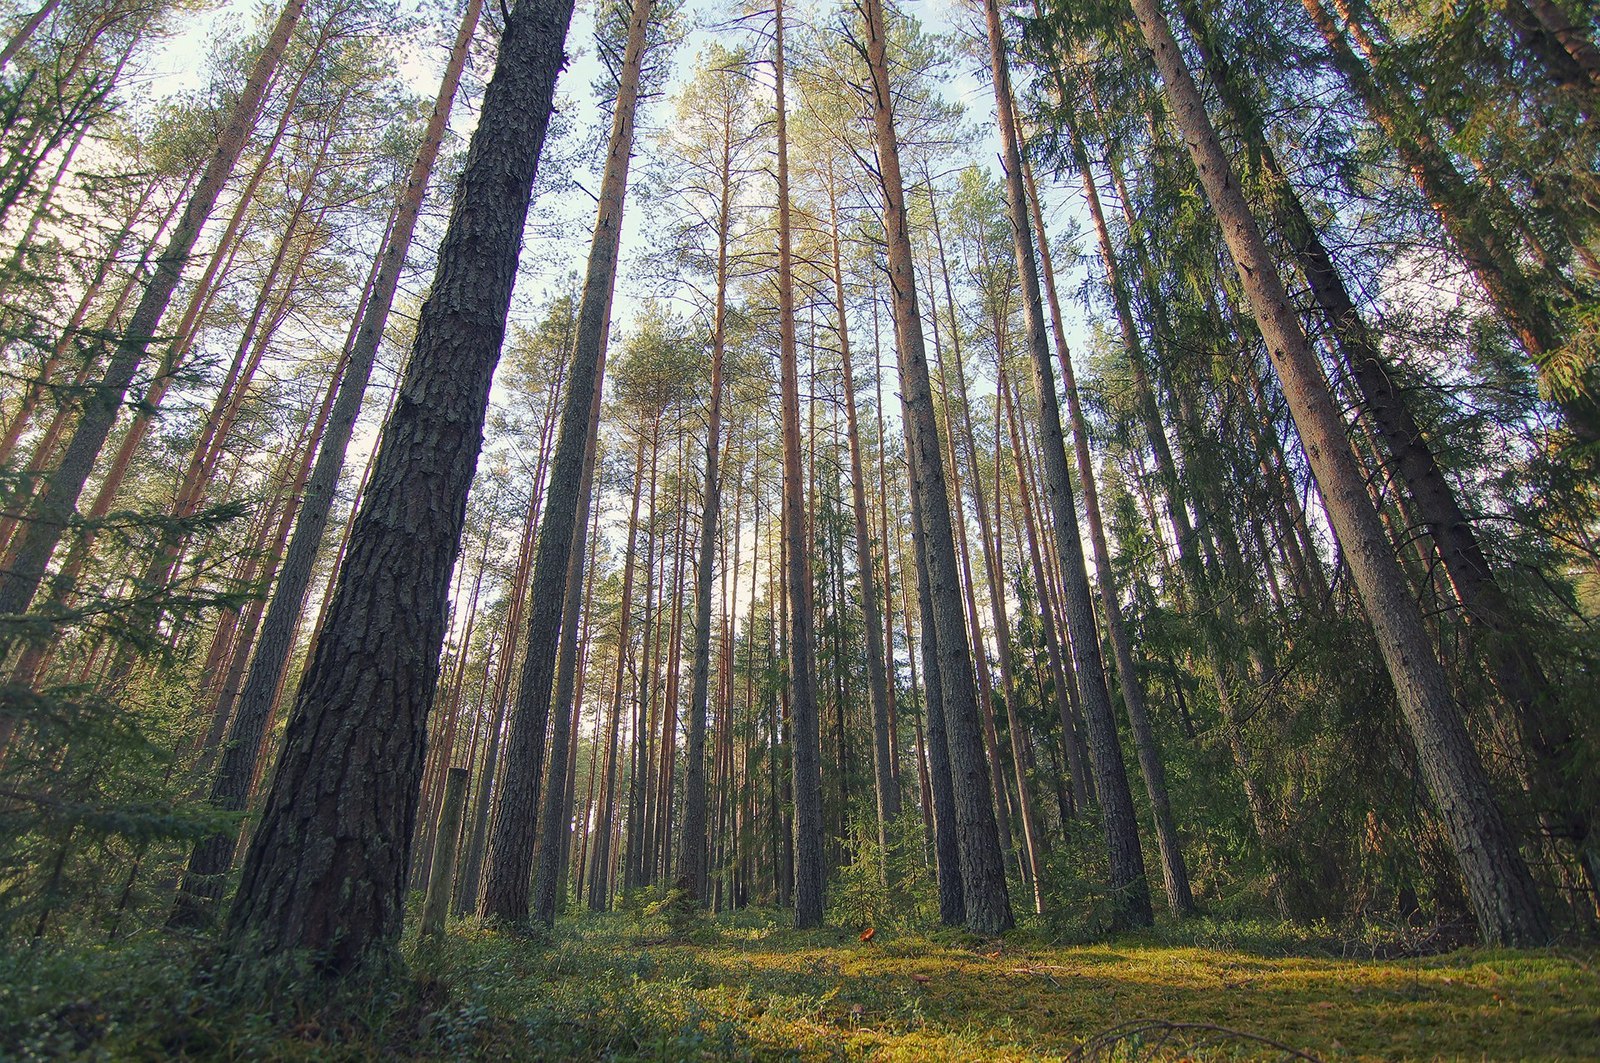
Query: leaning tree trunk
[1499,887]
[26,31]
[326,869]
[230,788]
[1457,205]
[1513,665]
[1174,872]
[511,834]
[988,906]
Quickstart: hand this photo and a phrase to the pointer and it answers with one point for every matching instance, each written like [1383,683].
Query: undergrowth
[647,983]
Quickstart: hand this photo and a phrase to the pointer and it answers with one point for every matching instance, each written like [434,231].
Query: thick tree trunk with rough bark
[231,785]
[326,870]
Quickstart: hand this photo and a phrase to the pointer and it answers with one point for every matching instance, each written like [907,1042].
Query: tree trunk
[511,834]
[1174,873]
[1002,803]
[1501,890]
[556,821]
[599,881]
[887,788]
[946,842]
[231,785]
[805,735]
[988,907]
[692,868]
[1128,884]
[326,868]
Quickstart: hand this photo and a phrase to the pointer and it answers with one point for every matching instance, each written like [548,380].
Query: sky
[178,65]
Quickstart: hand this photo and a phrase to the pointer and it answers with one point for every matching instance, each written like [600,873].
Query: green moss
[618,987]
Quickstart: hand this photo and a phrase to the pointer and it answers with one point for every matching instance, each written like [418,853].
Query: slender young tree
[556,815]
[692,868]
[886,787]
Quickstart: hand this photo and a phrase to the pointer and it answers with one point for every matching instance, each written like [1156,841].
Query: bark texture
[326,869]
[230,787]
[988,905]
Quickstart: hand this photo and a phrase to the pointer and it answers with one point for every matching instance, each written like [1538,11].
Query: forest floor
[619,987]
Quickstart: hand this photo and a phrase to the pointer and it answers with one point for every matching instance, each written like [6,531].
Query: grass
[621,987]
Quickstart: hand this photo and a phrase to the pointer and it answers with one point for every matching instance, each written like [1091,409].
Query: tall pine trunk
[326,869]
[692,851]
[988,906]
[230,787]
[511,833]
[1129,886]
[886,786]
[805,726]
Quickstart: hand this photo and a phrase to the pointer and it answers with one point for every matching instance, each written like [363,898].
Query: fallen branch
[1102,1045]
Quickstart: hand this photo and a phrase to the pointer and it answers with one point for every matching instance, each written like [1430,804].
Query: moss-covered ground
[624,988]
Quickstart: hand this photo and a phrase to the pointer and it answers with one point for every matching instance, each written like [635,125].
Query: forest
[713,529]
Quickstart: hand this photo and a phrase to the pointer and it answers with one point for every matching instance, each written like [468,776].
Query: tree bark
[1131,891]
[805,734]
[511,833]
[326,869]
[231,785]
